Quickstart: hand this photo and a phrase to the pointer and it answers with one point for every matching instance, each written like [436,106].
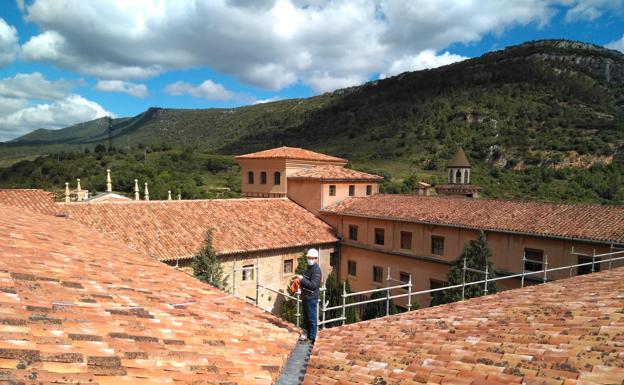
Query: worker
[310,283]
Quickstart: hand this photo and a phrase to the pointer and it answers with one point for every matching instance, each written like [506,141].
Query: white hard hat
[312,253]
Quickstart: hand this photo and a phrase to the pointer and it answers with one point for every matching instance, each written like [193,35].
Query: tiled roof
[168,230]
[334,174]
[77,307]
[567,332]
[292,153]
[33,199]
[577,221]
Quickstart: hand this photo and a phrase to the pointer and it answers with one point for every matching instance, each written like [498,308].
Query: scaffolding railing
[323,308]
[259,286]
[597,260]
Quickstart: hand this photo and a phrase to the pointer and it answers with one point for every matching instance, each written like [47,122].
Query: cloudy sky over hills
[67,61]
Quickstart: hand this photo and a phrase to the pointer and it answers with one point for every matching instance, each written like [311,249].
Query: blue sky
[67,61]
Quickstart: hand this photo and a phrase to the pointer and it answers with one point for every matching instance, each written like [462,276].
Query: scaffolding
[323,309]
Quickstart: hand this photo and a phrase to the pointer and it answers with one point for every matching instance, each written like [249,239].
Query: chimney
[66,192]
[136,189]
[78,190]
[169,195]
[146,195]
[109,182]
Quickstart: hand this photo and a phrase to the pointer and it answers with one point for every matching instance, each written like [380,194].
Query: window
[352,268]
[353,232]
[379,236]
[369,189]
[351,190]
[248,273]
[263,177]
[534,259]
[277,178]
[332,190]
[288,266]
[458,176]
[333,260]
[435,284]
[404,277]
[406,240]
[250,177]
[587,268]
[377,274]
[437,245]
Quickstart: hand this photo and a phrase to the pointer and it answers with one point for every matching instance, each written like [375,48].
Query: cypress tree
[477,255]
[207,266]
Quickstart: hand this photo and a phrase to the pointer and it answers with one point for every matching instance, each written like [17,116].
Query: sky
[67,61]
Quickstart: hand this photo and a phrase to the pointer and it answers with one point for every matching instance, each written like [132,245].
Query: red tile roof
[33,199]
[576,221]
[292,153]
[334,174]
[76,306]
[168,230]
[568,332]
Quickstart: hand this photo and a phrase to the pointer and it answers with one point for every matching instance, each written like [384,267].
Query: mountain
[552,103]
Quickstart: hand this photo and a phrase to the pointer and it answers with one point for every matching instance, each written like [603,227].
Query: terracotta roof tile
[335,174]
[33,199]
[565,332]
[168,230]
[292,153]
[577,221]
[76,306]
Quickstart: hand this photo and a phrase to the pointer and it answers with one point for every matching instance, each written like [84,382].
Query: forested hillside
[543,120]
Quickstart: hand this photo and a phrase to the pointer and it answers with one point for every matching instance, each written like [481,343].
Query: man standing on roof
[310,283]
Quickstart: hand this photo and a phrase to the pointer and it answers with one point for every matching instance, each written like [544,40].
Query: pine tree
[477,254]
[207,266]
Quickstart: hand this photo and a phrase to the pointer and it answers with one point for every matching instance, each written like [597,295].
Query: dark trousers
[309,316]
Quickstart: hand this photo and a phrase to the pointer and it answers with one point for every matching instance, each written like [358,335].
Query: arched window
[450,176]
[277,178]
[458,177]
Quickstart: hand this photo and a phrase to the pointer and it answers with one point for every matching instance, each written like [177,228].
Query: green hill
[551,111]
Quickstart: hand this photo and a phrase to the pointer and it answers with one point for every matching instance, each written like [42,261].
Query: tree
[477,254]
[207,266]
[378,309]
[289,307]
[333,295]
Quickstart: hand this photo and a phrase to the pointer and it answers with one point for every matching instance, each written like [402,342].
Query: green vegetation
[378,309]
[191,173]
[477,255]
[207,265]
[289,307]
[542,120]
[333,295]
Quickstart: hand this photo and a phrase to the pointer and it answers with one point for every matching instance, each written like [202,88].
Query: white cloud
[273,44]
[8,43]
[590,10]
[133,89]
[267,100]
[29,102]
[425,59]
[207,90]
[61,113]
[617,44]
[34,86]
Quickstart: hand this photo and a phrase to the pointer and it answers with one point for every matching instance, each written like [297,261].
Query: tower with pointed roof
[458,174]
